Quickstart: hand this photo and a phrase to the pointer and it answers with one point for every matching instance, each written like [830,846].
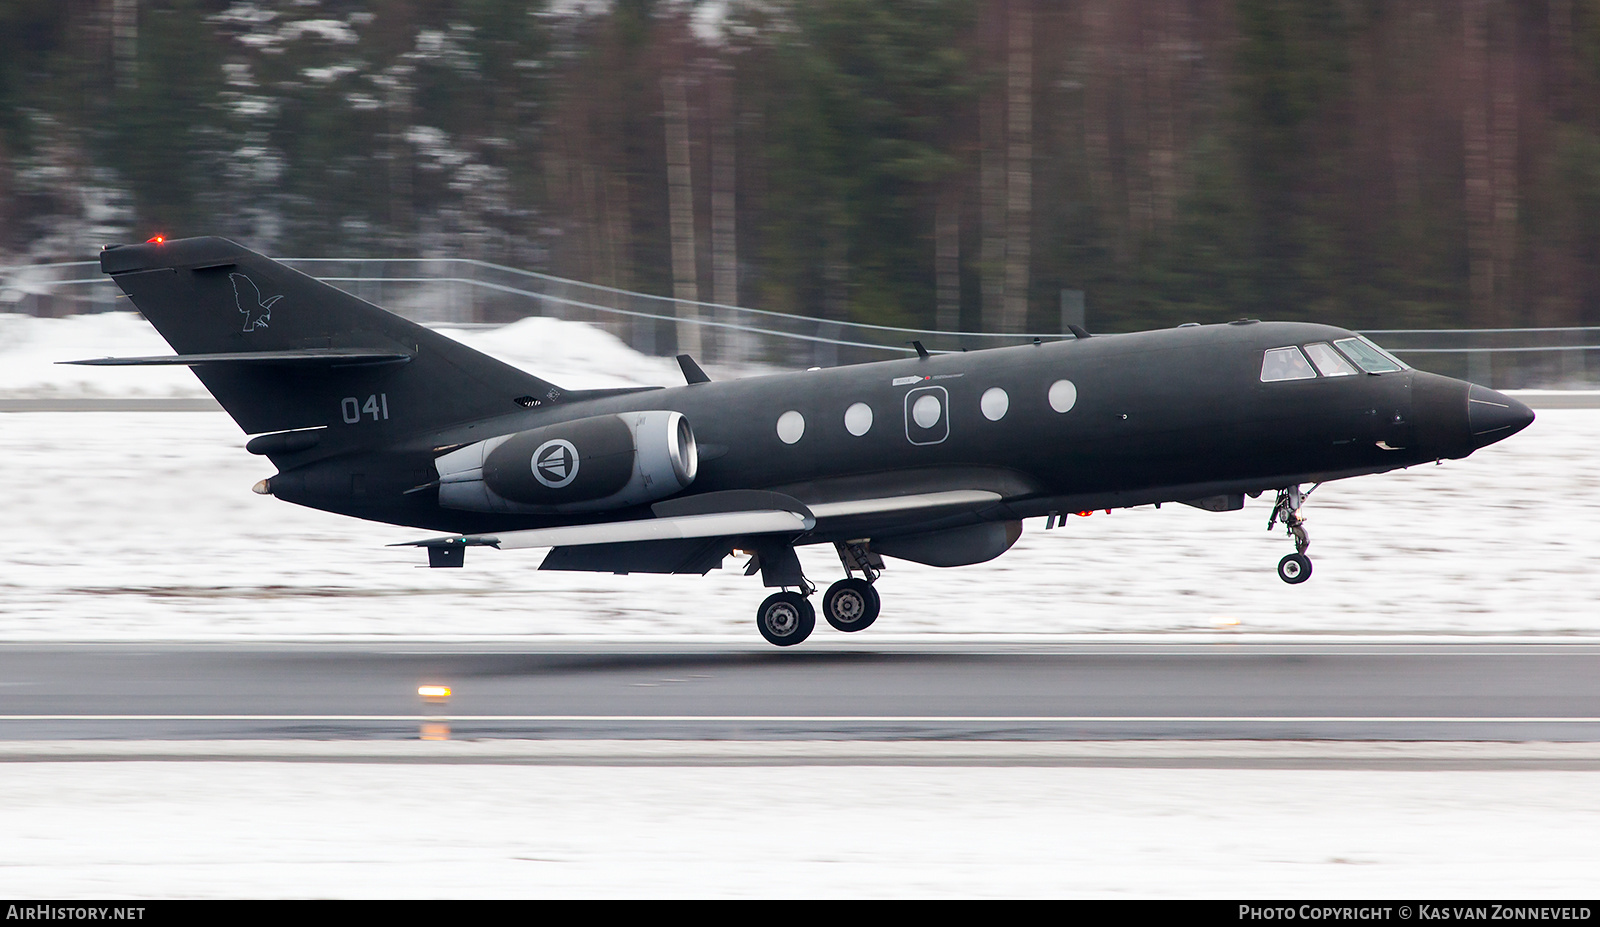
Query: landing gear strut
[852,604]
[1294,568]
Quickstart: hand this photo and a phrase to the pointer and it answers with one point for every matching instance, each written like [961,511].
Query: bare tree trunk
[724,241]
[1161,55]
[1565,292]
[947,257]
[125,42]
[1503,163]
[1019,165]
[680,202]
[1405,163]
[835,289]
[724,213]
[992,200]
[595,245]
[1479,182]
[619,229]
[1562,64]
[6,219]
[398,78]
[1097,122]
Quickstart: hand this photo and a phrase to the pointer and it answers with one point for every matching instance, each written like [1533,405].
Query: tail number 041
[353,408]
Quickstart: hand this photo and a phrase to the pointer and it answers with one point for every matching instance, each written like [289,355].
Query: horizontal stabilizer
[332,357]
[725,524]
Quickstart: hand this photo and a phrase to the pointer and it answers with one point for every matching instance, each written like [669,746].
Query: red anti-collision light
[159,239]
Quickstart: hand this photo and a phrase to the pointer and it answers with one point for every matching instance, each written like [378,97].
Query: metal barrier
[462,292]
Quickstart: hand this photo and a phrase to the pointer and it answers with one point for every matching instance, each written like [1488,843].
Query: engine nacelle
[585,465]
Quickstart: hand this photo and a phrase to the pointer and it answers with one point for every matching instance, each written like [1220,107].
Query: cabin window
[1368,356]
[1285,364]
[1330,363]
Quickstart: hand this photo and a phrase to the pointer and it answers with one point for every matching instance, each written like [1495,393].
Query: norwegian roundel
[555,463]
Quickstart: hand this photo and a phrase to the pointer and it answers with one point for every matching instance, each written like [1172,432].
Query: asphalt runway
[840,691]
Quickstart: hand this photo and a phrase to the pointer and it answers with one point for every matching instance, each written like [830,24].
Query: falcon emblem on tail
[257,311]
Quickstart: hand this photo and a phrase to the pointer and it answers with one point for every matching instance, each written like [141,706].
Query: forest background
[929,163]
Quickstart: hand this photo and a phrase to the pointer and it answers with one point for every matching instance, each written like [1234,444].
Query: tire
[786,619]
[1294,569]
[851,605]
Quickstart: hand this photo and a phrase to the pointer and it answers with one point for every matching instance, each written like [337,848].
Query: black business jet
[935,459]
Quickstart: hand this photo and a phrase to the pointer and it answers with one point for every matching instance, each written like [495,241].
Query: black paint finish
[1157,416]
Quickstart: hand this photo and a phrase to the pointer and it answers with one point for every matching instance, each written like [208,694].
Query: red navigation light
[159,239]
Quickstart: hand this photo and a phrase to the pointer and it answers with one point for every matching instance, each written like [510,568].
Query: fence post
[1572,367]
[1479,368]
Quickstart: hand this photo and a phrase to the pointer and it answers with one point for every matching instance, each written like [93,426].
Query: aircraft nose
[1493,416]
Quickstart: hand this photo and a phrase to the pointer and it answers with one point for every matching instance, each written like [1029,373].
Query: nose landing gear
[1294,568]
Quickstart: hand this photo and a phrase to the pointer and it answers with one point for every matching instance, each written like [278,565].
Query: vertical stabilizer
[286,351]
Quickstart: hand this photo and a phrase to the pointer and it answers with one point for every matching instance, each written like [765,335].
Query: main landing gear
[786,618]
[1294,568]
[852,604]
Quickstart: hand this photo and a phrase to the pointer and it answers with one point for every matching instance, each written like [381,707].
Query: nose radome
[1494,416]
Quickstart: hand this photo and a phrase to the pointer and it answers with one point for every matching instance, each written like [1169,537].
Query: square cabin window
[1285,364]
[1330,363]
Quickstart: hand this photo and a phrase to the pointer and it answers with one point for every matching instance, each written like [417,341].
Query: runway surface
[834,691]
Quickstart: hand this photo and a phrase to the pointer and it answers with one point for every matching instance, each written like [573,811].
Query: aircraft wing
[720,524]
[887,504]
[714,524]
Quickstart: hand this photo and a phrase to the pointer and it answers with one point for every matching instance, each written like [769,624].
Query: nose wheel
[1296,567]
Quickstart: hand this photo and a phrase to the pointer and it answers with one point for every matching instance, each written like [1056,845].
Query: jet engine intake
[590,464]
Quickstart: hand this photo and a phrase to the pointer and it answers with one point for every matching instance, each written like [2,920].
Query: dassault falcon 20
[935,458]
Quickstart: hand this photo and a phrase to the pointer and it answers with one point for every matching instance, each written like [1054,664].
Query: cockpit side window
[1285,364]
[1330,363]
[1368,356]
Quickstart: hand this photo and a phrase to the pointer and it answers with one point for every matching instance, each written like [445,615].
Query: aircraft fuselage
[1158,416]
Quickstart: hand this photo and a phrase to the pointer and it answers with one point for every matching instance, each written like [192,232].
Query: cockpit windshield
[1285,364]
[1368,356]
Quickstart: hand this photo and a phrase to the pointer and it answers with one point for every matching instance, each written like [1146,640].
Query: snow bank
[320,830]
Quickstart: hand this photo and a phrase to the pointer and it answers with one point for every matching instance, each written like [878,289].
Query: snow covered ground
[308,830]
[127,526]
